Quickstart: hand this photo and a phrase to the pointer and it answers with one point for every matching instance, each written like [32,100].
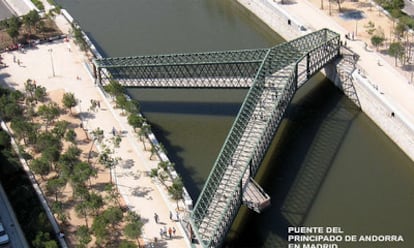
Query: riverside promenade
[61,65]
[383,80]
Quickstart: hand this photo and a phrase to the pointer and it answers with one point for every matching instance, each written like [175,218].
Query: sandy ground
[383,24]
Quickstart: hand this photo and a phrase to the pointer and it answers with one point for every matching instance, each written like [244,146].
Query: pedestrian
[18,62]
[171,215]
[170,232]
[99,104]
[161,233]
[114,132]
[178,216]
[174,231]
[164,231]
[156,217]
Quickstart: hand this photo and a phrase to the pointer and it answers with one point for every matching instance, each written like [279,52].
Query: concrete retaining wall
[288,26]
[373,103]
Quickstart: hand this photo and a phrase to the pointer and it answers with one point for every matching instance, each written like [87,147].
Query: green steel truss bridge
[272,75]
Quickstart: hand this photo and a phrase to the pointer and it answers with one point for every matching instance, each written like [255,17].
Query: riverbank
[392,95]
[64,68]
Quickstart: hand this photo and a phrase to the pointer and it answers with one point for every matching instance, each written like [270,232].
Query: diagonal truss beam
[272,76]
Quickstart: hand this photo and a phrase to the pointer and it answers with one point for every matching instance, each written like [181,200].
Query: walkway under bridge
[272,75]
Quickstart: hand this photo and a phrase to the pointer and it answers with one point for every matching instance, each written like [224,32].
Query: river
[329,164]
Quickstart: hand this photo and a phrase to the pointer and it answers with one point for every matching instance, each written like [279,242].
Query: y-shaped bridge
[272,75]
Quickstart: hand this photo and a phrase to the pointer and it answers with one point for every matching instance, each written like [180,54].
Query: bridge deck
[244,151]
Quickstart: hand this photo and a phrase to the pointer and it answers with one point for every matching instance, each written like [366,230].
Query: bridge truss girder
[273,76]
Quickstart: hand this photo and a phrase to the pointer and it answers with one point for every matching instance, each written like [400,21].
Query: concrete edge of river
[188,202]
[392,120]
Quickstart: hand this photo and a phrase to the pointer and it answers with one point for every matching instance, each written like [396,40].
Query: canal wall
[365,91]
[288,26]
[372,102]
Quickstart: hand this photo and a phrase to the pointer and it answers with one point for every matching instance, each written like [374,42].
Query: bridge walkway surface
[273,76]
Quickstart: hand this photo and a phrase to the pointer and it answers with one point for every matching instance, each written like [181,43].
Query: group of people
[95,104]
[170,232]
[164,232]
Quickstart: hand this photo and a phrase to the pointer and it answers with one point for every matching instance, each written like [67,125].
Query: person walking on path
[171,215]
[170,232]
[161,233]
[156,217]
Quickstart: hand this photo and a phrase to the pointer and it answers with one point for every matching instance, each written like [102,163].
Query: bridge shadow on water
[191,175]
[296,164]
[199,108]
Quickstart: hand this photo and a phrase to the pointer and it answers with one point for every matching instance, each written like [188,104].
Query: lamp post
[50,50]
[356,27]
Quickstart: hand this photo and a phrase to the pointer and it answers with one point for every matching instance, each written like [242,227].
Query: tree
[4,140]
[69,101]
[40,93]
[55,186]
[135,121]
[46,140]
[100,229]
[154,151]
[82,172]
[338,2]
[43,240]
[71,136]
[84,236]
[400,30]
[113,215]
[49,113]
[79,40]
[97,135]
[370,27]
[143,132]
[24,130]
[132,106]
[40,166]
[127,244]
[176,190]
[30,20]
[67,161]
[82,210]
[60,128]
[121,102]
[13,26]
[29,88]
[95,203]
[377,41]
[108,161]
[114,88]
[57,208]
[112,194]
[52,155]
[133,229]
[396,50]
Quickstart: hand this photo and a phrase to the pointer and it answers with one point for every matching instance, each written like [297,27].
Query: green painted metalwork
[273,76]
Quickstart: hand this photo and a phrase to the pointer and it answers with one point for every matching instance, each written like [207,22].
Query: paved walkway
[19,7]
[394,87]
[60,65]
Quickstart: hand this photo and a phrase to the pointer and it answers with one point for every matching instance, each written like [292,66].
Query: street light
[51,60]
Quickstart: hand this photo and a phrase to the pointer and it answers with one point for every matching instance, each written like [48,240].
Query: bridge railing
[291,53]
